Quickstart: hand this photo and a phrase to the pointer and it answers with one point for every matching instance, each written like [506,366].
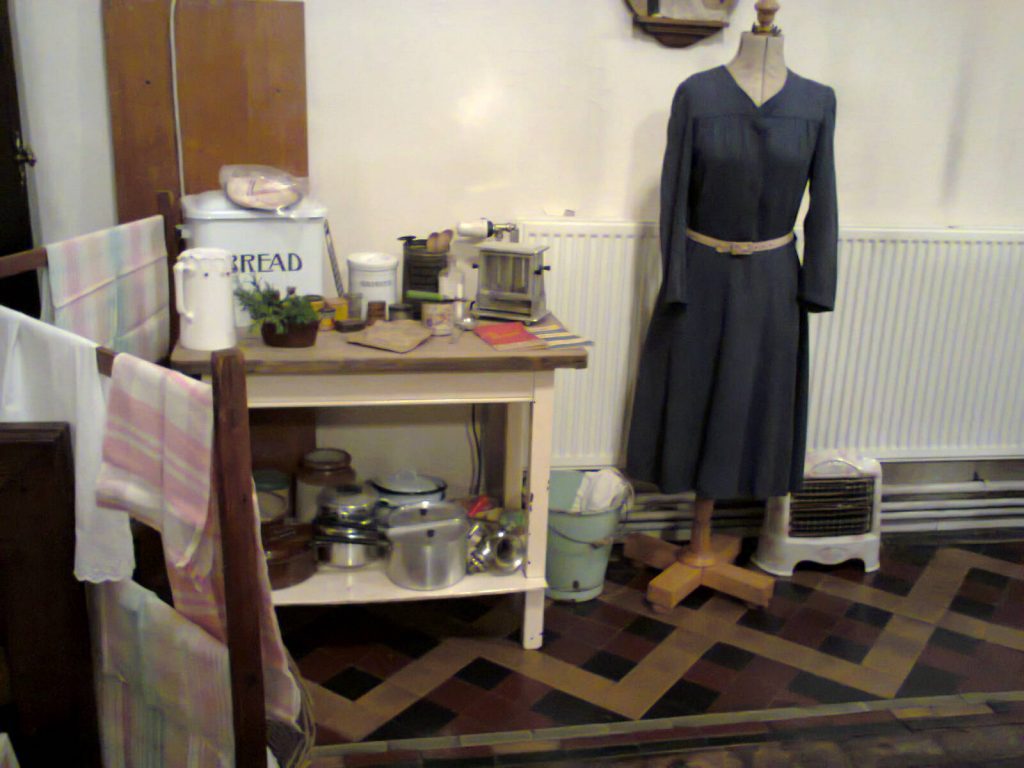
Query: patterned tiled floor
[934,621]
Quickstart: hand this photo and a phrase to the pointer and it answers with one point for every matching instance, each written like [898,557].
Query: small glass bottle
[451,284]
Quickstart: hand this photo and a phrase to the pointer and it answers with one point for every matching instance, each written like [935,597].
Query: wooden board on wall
[242,87]
[137,50]
[241,68]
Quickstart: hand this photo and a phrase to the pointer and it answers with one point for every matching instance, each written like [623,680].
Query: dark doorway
[20,292]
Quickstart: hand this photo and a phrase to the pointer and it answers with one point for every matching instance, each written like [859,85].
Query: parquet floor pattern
[933,621]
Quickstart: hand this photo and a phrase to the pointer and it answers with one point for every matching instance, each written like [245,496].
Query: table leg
[516,415]
[539,472]
[539,479]
[533,619]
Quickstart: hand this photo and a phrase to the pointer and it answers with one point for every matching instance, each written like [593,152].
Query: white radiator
[923,357]
[601,285]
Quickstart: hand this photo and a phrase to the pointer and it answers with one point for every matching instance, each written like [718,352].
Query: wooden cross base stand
[707,560]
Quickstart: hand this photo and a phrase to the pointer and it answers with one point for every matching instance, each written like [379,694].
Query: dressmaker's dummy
[719,416]
[759,67]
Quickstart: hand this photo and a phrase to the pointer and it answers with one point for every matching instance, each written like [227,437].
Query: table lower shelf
[370,584]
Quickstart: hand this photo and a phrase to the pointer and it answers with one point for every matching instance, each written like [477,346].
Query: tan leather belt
[740,249]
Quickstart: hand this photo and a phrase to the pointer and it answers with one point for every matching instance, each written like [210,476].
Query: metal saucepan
[428,545]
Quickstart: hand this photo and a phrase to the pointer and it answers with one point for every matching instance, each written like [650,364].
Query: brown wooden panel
[138,58]
[45,634]
[242,86]
[280,437]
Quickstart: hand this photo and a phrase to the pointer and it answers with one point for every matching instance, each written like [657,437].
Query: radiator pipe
[977,486]
[898,506]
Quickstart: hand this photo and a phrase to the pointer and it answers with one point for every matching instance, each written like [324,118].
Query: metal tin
[509,550]
[376,311]
[345,547]
[439,317]
[400,312]
[347,503]
[346,554]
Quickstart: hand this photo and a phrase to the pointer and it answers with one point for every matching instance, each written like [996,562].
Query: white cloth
[47,374]
[601,490]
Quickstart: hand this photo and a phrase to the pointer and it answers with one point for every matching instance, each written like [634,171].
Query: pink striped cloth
[157,466]
[111,287]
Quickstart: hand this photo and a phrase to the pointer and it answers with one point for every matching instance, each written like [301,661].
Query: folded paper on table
[396,336]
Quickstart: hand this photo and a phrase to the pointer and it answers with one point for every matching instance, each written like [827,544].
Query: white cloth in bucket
[600,491]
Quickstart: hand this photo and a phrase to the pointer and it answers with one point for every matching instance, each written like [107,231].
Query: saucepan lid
[347,501]
[409,481]
[425,512]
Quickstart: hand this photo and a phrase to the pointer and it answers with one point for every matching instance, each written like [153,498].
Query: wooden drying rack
[233,470]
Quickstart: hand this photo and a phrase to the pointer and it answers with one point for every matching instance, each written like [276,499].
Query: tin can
[339,307]
[376,310]
[355,306]
[439,317]
[400,312]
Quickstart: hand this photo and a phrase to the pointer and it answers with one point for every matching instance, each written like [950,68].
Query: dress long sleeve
[817,289]
[675,184]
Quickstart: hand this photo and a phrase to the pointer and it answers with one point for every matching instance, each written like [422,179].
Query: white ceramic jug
[204,295]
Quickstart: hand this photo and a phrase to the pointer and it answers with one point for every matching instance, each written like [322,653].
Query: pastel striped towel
[111,287]
[163,683]
[157,466]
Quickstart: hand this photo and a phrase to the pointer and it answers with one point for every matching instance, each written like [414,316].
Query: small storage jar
[273,489]
[321,468]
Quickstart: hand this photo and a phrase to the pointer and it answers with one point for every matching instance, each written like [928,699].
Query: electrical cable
[176,104]
[479,456]
[471,434]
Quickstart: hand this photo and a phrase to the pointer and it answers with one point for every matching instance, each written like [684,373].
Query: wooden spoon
[444,240]
[432,242]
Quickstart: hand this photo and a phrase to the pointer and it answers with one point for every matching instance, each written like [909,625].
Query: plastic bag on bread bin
[261,187]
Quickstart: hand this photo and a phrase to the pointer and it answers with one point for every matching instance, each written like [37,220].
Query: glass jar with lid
[320,468]
[273,489]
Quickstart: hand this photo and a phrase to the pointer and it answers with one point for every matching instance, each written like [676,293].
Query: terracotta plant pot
[293,336]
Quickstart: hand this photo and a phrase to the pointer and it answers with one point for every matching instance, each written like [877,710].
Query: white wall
[58,48]
[424,112]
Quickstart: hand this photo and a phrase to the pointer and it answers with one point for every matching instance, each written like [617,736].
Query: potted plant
[284,321]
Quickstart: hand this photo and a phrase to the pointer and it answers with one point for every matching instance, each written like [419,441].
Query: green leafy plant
[265,304]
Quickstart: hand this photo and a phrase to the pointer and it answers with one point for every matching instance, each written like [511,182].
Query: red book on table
[511,335]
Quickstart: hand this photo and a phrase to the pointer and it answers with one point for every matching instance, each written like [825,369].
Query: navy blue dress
[720,405]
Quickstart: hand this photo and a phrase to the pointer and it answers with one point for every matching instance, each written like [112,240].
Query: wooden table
[334,373]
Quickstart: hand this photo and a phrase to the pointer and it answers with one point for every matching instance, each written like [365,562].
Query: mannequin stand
[706,560]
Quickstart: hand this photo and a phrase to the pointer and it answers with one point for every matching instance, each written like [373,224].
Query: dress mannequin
[759,69]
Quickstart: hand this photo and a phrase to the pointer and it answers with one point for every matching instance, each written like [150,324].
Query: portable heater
[835,517]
